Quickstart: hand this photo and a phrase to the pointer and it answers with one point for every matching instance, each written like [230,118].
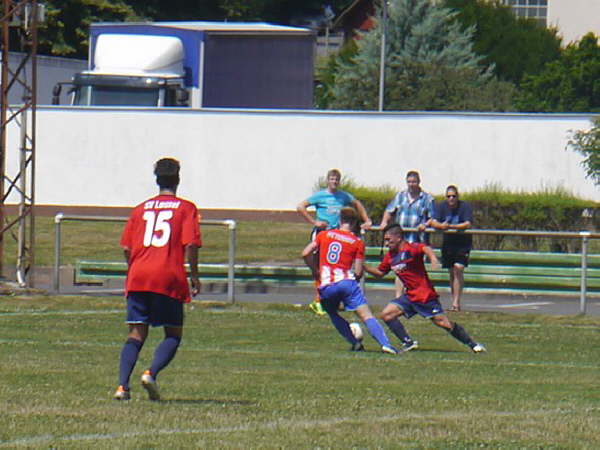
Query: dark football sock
[459,333]
[129,356]
[398,329]
[164,354]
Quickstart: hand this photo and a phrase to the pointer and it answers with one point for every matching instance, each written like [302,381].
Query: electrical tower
[18,24]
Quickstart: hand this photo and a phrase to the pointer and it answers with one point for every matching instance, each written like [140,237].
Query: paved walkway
[301,296]
[521,304]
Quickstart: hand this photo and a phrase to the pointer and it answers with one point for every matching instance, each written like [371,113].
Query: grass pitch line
[530,305]
[92,312]
[283,423]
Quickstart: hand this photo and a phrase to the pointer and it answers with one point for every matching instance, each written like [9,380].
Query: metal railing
[60,217]
[585,236]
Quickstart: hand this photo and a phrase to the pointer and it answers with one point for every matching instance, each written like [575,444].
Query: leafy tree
[67,24]
[326,71]
[277,11]
[587,143]
[159,10]
[443,88]
[430,64]
[66,30]
[569,84]
[513,45]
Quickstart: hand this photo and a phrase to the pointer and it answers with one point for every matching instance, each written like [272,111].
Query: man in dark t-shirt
[455,214]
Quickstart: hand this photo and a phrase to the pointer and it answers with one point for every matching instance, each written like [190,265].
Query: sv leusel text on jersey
[164,204]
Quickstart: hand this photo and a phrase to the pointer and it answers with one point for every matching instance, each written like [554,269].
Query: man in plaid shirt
[412,208]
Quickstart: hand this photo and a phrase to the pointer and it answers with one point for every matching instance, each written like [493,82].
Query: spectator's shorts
[455,255]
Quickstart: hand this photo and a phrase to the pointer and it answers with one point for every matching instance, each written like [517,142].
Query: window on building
[530,9]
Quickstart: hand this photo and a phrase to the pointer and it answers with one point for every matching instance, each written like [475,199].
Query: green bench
[520,272]
[488,272]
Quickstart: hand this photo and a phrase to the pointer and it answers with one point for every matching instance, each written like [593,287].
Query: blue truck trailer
[196,64]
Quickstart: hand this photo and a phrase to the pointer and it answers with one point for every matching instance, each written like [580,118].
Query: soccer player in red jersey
[341,255]
[406,260]
[160,233]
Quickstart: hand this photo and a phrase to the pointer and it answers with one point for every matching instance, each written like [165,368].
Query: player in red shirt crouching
[160,233]
[341,256]
[406,260]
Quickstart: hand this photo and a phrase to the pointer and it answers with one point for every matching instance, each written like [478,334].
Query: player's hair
[394,229]
[334,172]
[413,173]
[167,173]
[349,215]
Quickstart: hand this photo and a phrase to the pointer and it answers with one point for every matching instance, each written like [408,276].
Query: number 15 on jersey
[158,228]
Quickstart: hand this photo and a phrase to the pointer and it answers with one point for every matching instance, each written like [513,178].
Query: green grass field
[270,376]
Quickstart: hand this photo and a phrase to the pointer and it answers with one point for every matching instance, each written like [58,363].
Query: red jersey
[408,265]
[337,251]
[157,233]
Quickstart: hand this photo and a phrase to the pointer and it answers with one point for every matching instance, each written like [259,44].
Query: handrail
[495,232]
[585,236]
[60,217]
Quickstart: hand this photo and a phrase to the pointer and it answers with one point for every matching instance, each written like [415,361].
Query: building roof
[241,27]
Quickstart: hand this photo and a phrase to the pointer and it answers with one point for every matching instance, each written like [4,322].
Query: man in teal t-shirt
[328,204]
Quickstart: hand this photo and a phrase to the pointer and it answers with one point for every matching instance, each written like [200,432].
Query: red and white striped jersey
[338,250]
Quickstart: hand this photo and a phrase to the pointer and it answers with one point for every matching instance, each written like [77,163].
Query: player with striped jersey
[341,256]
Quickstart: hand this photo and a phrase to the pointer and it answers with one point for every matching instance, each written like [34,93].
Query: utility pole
[384,20]
[19,19]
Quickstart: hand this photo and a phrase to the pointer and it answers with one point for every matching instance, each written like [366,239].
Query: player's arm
[308,254]
[362,212]
[358,268]
[191,253]
[435,263]
[127,254]
[373,271]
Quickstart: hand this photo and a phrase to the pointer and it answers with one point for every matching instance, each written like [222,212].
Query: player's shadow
[191,401]
[436,350]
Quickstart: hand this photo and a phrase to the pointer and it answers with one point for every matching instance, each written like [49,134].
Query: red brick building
[356,17]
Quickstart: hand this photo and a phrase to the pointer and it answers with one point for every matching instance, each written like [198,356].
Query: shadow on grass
[437,350]
[191,401]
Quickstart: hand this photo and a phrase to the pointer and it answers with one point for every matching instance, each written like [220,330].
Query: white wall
[271,160]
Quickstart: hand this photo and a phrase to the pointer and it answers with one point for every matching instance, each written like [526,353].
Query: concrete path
[301,296]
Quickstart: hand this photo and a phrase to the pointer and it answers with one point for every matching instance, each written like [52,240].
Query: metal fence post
[57,245]
[584,251]
[231,262]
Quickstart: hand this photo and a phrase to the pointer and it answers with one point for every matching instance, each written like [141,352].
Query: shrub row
[497,208]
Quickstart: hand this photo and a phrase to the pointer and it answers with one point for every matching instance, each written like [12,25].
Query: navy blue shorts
[428,310]
[347,292]
[154,309]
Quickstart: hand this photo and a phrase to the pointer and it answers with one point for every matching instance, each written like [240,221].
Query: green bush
[497,208]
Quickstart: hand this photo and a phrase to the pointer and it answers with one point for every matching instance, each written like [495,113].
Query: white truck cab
[134,70]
